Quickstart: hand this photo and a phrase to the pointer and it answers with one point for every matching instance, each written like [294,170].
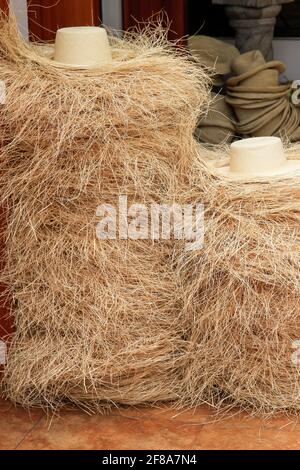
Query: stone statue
[254,22]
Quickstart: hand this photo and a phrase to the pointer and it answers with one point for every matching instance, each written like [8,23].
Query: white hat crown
[82,46]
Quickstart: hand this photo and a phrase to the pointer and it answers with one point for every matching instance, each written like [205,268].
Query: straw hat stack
[260,103]
[219,124]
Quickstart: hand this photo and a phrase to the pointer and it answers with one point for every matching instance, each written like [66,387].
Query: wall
[20,9]
[288,51]
[112,14]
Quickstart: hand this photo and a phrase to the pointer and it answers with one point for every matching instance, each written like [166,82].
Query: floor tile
[79,431]
[201,415]
[161,428]
[15,423]
[252,438]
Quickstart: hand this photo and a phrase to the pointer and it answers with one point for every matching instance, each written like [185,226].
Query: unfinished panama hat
[82,47]
[259,157]
[213,53]
[251,64]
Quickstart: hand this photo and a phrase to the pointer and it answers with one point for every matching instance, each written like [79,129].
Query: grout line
[29,431]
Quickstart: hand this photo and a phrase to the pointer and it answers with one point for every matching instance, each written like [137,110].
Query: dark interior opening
[211,20]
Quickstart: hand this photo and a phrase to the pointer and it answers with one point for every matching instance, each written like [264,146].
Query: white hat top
[82,47]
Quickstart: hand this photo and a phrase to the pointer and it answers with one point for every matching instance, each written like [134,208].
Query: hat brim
[78,66]
[290,170]
[274,64]
[47,51]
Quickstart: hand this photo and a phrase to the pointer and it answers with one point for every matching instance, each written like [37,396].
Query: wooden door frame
[43,21]
[4,5]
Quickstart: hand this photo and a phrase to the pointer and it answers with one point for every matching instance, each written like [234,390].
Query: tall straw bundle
[242,293]
[97,322]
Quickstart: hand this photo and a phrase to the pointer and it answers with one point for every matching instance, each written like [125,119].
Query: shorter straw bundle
[242,293]
[98,322]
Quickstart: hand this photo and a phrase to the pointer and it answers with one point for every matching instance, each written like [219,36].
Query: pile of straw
[101,323]
[242,293]
[97,323]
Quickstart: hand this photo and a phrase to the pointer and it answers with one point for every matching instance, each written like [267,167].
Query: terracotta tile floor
[146,429]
